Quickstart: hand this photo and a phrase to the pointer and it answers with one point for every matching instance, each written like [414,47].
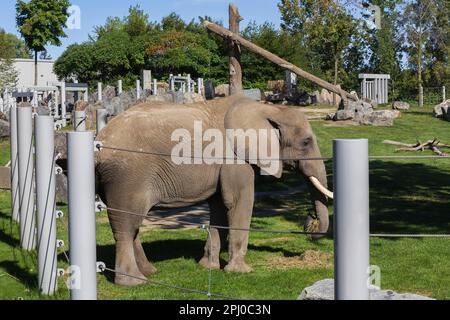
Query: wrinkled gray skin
[140,182]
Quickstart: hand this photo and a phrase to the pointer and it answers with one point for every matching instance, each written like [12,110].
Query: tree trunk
[235,52]
[336,71]
[277,60]
[35,68]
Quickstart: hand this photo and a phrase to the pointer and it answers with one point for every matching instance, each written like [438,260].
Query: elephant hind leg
[145,266]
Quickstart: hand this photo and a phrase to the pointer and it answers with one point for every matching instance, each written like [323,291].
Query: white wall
[25,68]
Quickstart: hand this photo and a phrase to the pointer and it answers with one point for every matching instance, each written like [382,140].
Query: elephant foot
[147,268]
[238,267]
[207,264]
[127,281]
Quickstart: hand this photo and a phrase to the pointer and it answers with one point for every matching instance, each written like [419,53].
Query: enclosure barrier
[351,224]
[46,204]
[26,173]
[14,164]
[81,194]
[80,121]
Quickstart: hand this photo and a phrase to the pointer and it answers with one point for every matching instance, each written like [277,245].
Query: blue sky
[95,12]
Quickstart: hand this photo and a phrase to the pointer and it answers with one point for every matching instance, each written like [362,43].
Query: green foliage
[12,47]
[42,22]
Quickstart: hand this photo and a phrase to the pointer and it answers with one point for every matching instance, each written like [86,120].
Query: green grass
[407,196]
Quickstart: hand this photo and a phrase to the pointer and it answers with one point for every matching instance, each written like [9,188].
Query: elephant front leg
[127,271]
[238,192]
[216,236]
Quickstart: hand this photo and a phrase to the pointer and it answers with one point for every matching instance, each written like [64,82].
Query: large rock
[382,118]
[441,109]
[4,129]
[4,116]
[399,105]
[222,90]
[324,290]
[61,187]
[253,94]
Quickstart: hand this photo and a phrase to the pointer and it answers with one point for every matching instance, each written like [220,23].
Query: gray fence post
[81,183]
[63,104]
[26,172]
[155,87]
[102,118]
[80,120]
[138,89]
[119,87]
[46,203]
[15,203]
[421,96]
[351,225]
[99,91]
[444,96]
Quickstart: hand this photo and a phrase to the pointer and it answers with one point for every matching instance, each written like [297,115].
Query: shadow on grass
[411,198]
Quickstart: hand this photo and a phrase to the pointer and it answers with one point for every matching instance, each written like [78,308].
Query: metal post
[102,118]
[86,95]
[155,87]
[99,91]
[119,87]
[80,121]
[189,84]
[351,225]
[46,203]
[444,98]
[63,104]
[14,163]
[138,89]
[421,96]
[26,171]
[200,85]
[172,83]
[81,191]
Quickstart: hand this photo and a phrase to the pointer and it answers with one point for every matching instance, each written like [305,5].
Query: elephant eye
[307,142]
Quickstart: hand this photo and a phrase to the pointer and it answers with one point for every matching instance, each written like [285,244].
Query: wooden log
[235,52]
[276,59]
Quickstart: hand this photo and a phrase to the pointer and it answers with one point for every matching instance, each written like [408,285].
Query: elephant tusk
[321,188]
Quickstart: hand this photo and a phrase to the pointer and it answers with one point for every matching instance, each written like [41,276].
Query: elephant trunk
[316,178]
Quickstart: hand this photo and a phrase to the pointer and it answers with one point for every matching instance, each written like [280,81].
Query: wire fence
[208,227]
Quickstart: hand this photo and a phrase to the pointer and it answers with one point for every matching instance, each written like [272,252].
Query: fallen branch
[434,145]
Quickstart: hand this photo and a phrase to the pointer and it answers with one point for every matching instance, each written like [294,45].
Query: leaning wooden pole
[235,52]
[237,39]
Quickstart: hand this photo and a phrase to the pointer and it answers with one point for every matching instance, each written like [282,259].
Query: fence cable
[169,286]
[100,147]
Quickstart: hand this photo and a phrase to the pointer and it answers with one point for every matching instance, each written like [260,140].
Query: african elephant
[136,182]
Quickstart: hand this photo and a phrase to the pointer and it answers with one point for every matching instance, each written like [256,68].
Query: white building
[25,68]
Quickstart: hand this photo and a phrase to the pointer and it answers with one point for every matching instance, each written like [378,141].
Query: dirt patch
[345,123]
[309,260]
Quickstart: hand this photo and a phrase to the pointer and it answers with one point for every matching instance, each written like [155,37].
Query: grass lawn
[407,196]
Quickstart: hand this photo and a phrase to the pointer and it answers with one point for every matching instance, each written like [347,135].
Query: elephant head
[298,149]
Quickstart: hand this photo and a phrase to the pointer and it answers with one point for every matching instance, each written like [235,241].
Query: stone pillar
[146,80]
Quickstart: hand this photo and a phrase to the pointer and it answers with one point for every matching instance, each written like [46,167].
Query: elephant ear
[253,135]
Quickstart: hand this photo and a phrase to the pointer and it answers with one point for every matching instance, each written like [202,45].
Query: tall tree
[418,21]
[326,27]
[41,22]
[9,49]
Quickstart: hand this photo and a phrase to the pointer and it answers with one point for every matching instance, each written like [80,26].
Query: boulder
[4,129]
[4,116]
[222,90]
[373,103]
[399,105]
[61,144]
[253,94]
[441,109]
[382,118]
[61,187]
[343,115]
[109,92]
[324,290]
